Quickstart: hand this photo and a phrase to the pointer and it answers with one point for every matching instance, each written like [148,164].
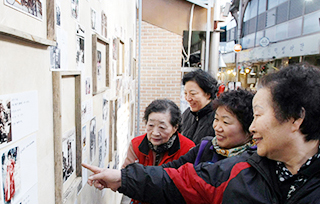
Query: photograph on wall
[105,107]
[11,174]
[114,124]
[93,133]
[99,69]
[93,19]
[32,8]
[55,57]
[105,139]
[104,24]
[115,48]
[75,9]
[18,116]
[59,52]
[100,143]
[88,86]
[19,175]
[68,154]
[58,13]
[86,111]
[84,138]
[80,46]
[5,120]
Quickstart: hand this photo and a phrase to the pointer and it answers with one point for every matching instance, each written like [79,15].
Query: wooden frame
[96,86]
[110,130]
[51,20]
[60,195]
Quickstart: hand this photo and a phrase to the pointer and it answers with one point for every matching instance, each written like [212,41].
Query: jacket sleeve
[149,184]
[190,157]
[131,157]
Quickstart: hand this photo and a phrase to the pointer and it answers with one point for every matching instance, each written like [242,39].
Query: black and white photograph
[101,158]
[68,154]
[93,19]
[80,46]
[88,86]
[5,121]
[75,9]
[104,24]
[55,57]
[84,138]
[99,65]
[93,133]
[58,14]
[105,107]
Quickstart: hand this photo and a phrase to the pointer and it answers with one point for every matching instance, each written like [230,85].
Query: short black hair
[162,106]
[295,91]
[239,103]
[205,81]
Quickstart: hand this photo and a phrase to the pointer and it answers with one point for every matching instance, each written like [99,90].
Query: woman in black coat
[200,89]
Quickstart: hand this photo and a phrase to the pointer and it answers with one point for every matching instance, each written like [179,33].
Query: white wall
[25,67]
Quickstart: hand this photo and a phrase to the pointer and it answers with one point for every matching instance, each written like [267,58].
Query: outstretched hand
[104,178]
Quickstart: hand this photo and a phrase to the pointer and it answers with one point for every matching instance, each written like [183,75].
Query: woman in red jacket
[162,143]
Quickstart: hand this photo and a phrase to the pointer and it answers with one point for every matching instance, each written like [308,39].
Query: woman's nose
[217,127]
[188,97]
[156,131]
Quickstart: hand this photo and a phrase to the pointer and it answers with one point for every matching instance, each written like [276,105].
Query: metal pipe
[208,35]
[139,67]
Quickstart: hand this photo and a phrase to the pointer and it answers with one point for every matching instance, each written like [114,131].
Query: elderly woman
[162,142]
[200,89]
[285,168]
[233,117]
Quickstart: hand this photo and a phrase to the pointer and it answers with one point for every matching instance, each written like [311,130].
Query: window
[294,28]
[311,23]
[262,6]
[270,33]
[281,31]
[261,22]
[296,8]
[311,6]
[252,25]
[271,18]
[282,13]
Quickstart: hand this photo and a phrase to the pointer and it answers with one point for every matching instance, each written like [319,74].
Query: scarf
[232,151]
[158,149]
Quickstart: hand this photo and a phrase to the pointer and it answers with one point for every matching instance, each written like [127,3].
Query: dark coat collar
[144,147]
[204,111]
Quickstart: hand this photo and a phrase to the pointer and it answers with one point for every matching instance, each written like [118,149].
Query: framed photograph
[67,133]
[31,8]
[121,54]
[100,64]
[104,24]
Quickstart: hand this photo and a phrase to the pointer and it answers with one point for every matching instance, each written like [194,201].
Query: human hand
[104,178]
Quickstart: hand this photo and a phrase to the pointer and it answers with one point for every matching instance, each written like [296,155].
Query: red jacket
[145,155]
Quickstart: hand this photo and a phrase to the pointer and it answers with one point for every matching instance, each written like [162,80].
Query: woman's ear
[297,122]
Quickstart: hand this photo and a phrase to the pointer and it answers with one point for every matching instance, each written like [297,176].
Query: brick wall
[160,66]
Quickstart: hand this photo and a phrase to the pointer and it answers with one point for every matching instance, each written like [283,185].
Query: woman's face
[270,135]
[228,129]
[195,96]
[159,128]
